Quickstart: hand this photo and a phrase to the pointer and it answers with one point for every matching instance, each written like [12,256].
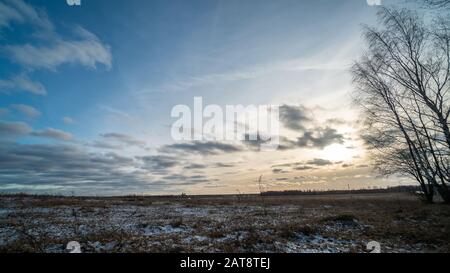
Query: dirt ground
[244,223]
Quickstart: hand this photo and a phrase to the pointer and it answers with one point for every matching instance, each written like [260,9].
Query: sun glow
[338,152]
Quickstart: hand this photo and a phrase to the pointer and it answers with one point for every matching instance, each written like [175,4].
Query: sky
[86,94]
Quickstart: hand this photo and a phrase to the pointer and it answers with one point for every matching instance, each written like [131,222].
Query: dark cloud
[61,167]
[254,141]
[298,118]
[319,162]
[195,166]
[317,138]
[303,165]
[279,170]
[336,121]
[294,117]
[224,165]
[320,138]
[67,166]
[175,177]
[56,158]
[159,163]
[281,179]
[199,147]
[303,168]
[180,179]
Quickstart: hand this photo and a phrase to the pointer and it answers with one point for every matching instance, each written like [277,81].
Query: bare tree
[437,3]
[403,87]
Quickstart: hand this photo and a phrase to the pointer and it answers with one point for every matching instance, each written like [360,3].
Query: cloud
[179,179]
[195,166]
[278,170]
[3,111]
[320,138]
[29,111]
[246,73]
[319,162]
[20,12]
[336,121]
[123,138]
[316,138]
[104,145]
[68,167]
[87,50]
[158,163]
[294,117]
[22,83]
[54,134]
[48,49]
[14,128]
[303,165]
[303,168]
[224,165]
[8,14]
[204,148]
[255,141]
[300,118]
[67,120]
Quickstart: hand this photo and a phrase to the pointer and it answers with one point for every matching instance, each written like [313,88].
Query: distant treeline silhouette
[397,189]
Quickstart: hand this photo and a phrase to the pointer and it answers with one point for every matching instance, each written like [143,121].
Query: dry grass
[329,223]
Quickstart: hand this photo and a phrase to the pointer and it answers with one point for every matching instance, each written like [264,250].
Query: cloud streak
[203,148]
[22,83]
[27,110]
[87,50]
[8,129]
[53,134]
[123,138]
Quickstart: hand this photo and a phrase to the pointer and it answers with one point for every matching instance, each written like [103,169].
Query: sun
[338,152]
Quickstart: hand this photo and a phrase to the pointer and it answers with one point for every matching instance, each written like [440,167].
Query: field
[238,223]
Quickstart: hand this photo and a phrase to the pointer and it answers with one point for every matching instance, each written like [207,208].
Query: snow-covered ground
[30,224]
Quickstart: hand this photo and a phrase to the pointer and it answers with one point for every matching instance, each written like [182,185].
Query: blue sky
[96,83]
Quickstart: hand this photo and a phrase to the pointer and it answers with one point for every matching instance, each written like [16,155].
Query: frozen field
[337,223]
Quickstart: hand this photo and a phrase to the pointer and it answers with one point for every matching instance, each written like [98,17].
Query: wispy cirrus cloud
[247,73]
[17,11]
[86,50]
[46,48]
[22,82]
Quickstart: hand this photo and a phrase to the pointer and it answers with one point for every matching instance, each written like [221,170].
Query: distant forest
[397,189]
